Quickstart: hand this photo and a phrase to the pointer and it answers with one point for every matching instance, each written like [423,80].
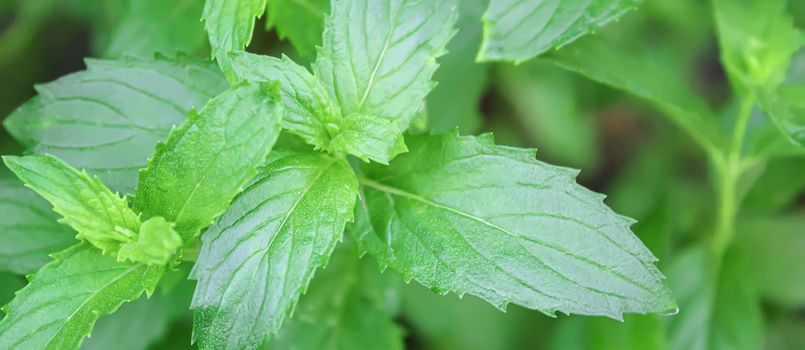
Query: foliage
[277,197]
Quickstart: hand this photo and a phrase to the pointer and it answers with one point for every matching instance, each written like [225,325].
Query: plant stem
[730,168]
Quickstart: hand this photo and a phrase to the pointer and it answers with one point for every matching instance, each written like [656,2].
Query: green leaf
[309,111]
[205,162]
[461,214]
[155,244]
[378,57]
[63,300]
[636,332]
[300,21]
[9,284]
[99,216]
[29,229]
[722,312]
[260,255]
[345,308]
[368,137]
[517,30]
[786,107]
[456,100]
[757,39]
[648,76]
[773,250]
[108,118]
[230,25]
[151,26]
[142,323]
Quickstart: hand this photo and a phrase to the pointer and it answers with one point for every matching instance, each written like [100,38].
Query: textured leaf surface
[150,26]
[230,25]
[650,77]
[29,229]
[516,30]
[63,300]
[108,118]
[99,216]
[206,161]
[378,56]
[786,107]
[368,137]
[260,255]
[757,39]
[300,21]
[461,214]
[345,308]
[308,107]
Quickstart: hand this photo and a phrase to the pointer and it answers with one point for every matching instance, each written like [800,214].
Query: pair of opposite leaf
[189,181]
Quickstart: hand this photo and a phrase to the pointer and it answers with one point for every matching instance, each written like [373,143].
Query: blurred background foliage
[649,168]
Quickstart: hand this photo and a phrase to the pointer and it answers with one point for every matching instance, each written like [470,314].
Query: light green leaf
[29,229]
[773,250]
[757,39]
[300,21]
[230,25]
[99,216]
[309,110]
[63,300]
[150,26]
[259,257]
[140,324]
[648,76]
[368,137]
[345,308]
[378,57]
[722,312]
[155,244]
[786,107]
[461,214]
[108,118]
[456,100]
[517,30]
[636,332]
[205,162]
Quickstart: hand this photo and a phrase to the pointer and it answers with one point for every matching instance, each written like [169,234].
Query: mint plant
[283,189]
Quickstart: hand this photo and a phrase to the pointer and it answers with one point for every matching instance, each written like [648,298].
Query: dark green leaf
[29,229]
[300,21]
[260,255]
[205,162]
[516,30]
[108,118]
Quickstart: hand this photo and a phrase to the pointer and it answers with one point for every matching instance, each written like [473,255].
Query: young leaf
[205,162]
[757,39]
[309,111]
[29,229]
[259,257]
[300,21]
[786,108]
[368,137]
[377,57]
[345,308]
[108,118]
[517,30]
[652,78]
[155,244]
[63,300]
[230,25]
[464,215]
[99,216]
[150,26]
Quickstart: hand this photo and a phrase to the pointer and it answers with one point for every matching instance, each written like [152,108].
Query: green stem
[730,167]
